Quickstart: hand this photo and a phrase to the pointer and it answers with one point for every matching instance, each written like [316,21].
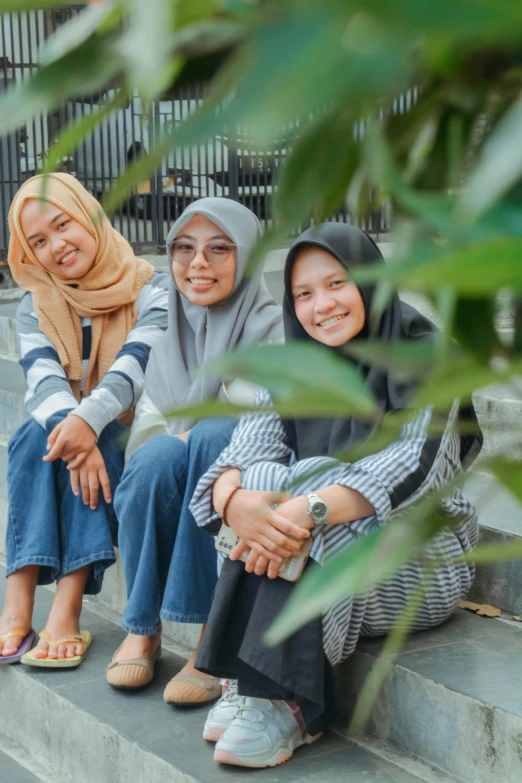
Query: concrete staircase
[451,708]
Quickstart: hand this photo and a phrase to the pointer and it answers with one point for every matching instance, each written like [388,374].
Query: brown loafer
[189,690]
[133,673]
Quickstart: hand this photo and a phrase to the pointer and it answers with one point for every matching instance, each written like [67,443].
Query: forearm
[223,486]
[345,504]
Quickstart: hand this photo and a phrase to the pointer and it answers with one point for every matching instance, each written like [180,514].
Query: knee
[30,438]
[156,461]
[213,433]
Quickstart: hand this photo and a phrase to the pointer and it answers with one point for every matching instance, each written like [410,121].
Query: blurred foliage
[450,166]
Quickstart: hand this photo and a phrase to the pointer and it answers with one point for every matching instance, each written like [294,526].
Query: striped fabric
[391,480]
[49,397]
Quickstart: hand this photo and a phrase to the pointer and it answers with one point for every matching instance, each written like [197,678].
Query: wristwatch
[317,508]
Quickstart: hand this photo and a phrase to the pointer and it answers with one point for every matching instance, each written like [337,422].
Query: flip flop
[25,644]
[29,659]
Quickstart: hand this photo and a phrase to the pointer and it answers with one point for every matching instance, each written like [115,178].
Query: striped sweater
[49,397]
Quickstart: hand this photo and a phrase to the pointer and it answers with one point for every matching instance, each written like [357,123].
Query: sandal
[133,673]
[25,644]
[189,690]
[30,659]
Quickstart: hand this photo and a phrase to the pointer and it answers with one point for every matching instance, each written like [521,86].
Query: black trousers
[243,608]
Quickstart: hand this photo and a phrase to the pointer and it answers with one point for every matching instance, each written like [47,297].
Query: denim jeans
[170,565]
[47,524]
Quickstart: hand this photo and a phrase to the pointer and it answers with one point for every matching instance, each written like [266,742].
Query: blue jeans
[170,565]
[47,524]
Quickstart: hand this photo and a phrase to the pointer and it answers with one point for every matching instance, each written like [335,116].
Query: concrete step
[500,514]
[453,697]
[12,392]
[8,338]
[12,772]
[499,411]
[80,729]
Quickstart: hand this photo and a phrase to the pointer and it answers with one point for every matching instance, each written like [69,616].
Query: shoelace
[231,690]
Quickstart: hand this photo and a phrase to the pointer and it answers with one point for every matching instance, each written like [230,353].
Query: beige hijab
[107,293]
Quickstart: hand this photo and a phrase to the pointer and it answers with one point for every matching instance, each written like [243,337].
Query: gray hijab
[197,335]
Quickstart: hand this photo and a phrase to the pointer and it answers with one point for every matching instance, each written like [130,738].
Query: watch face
[318,510]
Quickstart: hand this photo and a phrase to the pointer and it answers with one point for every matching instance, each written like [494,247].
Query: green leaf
[350,72]
[509,473]
[296,372]
[459,20]
[369,561]
[273,54]
[188,12]
[500,165]
[473,271]
[474,327]
[305,406]
[17,6]
[308,181]
[422,146]
[203,410]
[150,68]
[87,69]
[79,28]
[494,553]
[460,381]
[404,359]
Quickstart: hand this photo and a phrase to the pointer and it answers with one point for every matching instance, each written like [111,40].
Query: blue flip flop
[25,646]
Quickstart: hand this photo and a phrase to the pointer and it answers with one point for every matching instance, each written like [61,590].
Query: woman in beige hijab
[91,314]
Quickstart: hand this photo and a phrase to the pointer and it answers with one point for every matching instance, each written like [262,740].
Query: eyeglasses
[183,252]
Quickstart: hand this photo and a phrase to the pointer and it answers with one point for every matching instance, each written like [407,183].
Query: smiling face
[202,283]
[329,308]
[60,244]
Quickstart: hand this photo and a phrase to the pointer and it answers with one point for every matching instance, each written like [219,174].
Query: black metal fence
[226,165]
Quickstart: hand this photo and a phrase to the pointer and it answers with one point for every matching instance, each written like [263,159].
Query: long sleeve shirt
[49,397]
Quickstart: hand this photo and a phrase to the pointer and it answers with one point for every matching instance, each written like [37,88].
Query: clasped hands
[271,534]
[74,441]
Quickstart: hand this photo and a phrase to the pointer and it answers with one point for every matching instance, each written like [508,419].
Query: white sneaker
[223,712]
[263,733]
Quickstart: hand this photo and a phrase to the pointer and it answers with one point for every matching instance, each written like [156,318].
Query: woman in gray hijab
[169,563]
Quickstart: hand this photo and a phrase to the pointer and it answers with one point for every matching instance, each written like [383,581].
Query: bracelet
[227,501]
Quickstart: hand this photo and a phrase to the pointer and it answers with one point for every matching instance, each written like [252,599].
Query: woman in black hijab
[280,698]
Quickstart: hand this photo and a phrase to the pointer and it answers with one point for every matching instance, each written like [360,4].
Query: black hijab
[329,436]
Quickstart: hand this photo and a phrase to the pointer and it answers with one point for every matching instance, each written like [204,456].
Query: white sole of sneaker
[279,757]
